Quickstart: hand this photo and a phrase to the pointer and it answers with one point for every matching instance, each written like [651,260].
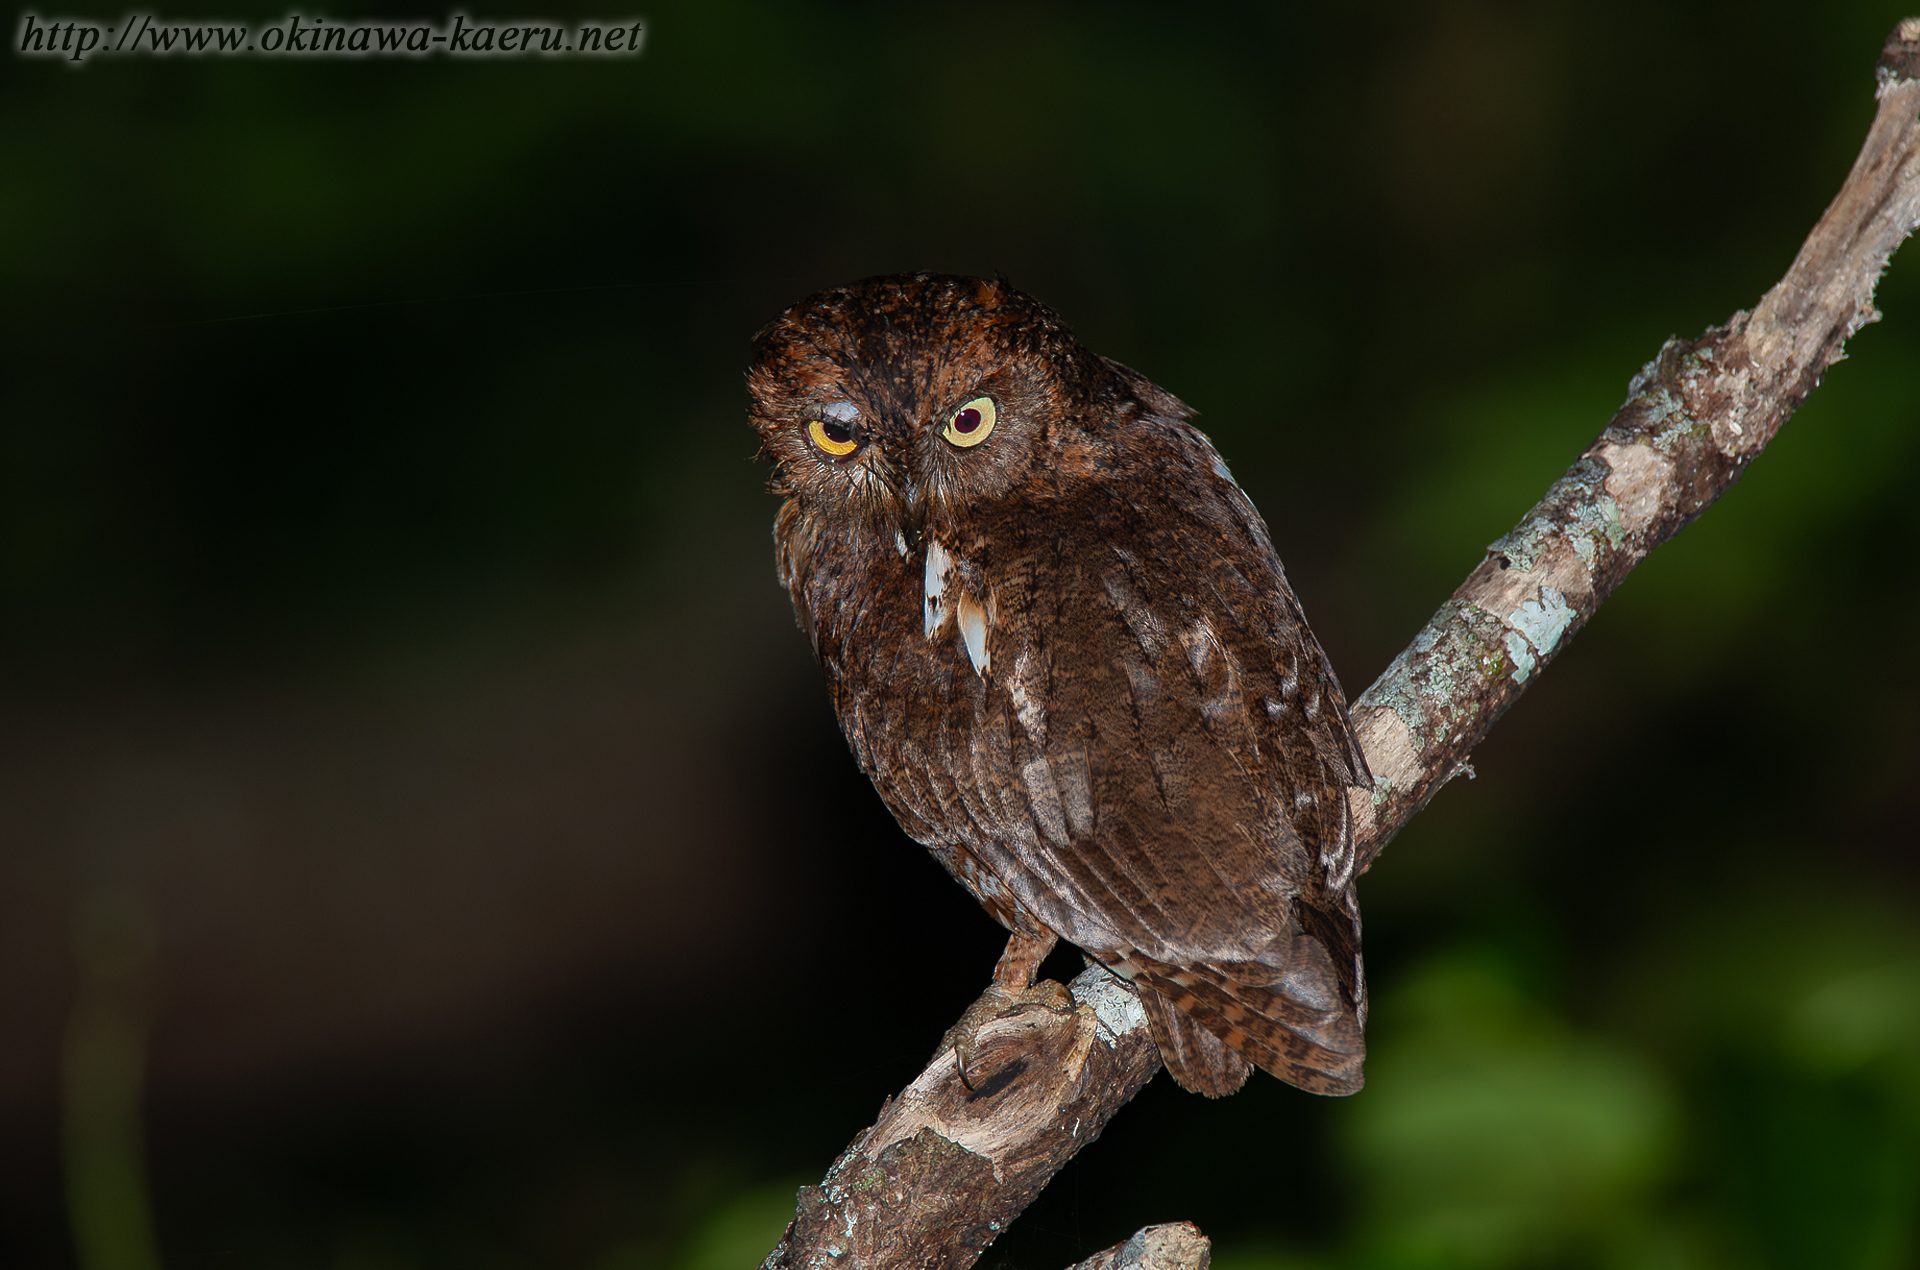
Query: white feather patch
[1043,796]
[1031,710]
[1072,778]
[947,596]
[939,565]
[973,629]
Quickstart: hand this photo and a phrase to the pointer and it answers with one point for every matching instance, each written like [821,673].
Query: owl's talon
[996,1003]
[1012,989]
[961,1049]
[960,1037]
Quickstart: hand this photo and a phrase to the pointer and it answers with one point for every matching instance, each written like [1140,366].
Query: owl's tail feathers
[1208,1024]
[1195,1057]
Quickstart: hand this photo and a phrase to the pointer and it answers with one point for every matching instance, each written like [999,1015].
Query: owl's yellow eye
[970,424]
[832,437]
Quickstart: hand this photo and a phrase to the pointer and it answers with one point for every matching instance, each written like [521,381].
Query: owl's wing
[1155,764]
[1103,711]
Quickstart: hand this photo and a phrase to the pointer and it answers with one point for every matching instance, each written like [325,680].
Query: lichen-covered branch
[945,1168]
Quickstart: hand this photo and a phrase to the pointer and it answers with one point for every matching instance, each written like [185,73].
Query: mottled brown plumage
[1060,643]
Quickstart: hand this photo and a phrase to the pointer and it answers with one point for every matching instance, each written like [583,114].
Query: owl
[1061,645]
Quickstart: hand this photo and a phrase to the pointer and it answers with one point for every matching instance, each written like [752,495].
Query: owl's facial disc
[911,400]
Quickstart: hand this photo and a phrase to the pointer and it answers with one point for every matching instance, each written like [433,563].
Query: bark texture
[1175,1246]
[945,1168]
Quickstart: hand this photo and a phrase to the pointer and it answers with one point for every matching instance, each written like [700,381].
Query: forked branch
[944,1169]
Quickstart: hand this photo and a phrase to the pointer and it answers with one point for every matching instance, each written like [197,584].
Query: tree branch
[944,1169]
[1175,1246]
[1694,417]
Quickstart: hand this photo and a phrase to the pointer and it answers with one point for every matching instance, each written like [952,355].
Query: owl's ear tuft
[1156,399]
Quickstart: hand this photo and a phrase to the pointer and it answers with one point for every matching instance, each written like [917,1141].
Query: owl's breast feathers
[1099,704]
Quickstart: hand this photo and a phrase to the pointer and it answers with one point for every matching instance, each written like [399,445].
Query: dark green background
[387,624]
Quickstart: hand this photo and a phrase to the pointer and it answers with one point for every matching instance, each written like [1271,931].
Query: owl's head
[906,400]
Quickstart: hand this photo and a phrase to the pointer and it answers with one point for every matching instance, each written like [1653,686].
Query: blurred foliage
[739,1233]
[1759,1111]
[1503,1138]
[305,362]
[100,1077]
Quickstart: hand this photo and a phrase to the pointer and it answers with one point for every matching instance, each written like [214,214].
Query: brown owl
[1061,645]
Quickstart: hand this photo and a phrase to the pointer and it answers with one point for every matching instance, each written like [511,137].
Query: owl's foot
[982,1049]
[1020,961]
